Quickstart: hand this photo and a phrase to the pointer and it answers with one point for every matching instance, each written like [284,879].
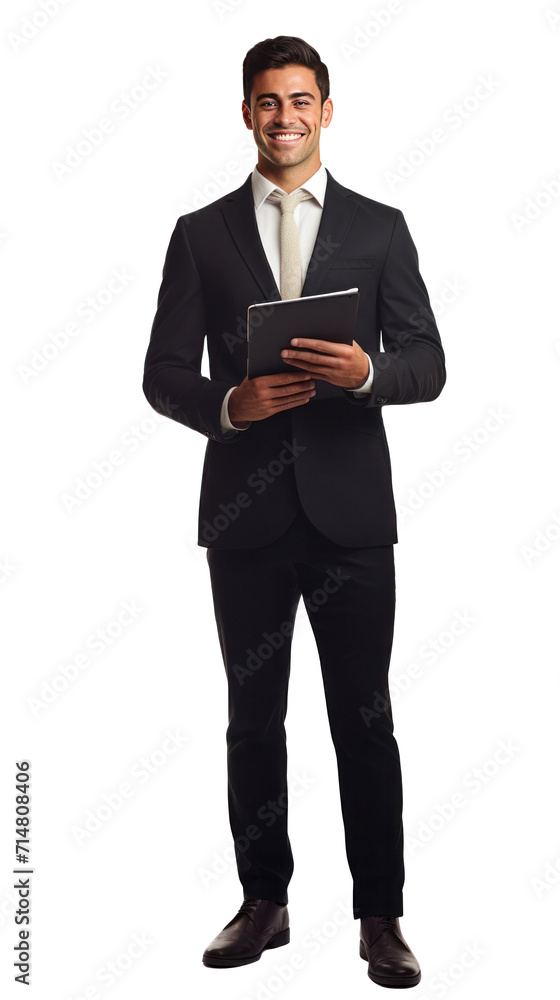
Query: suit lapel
[239,213]
[338,212]
[336,219]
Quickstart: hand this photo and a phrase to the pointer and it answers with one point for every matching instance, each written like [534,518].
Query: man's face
[286,115]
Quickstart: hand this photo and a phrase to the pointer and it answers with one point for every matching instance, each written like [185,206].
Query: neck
[288,178]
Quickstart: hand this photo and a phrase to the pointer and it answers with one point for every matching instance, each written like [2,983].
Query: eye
[265,103]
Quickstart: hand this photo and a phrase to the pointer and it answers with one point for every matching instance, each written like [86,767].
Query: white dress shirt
[307,215]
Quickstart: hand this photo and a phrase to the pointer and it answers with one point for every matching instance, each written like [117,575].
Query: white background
[478,501]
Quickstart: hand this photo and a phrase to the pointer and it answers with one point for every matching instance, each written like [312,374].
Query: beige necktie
[290,250]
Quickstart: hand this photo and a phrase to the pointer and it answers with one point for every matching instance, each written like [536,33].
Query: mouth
[286,138]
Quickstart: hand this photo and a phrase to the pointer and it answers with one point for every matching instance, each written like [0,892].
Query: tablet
[271,325]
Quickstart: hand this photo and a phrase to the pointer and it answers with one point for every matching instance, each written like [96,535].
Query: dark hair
[280,51]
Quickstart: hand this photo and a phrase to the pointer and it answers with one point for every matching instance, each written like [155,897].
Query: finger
[281,378]
[326,346]
[289,390]
[303,397]
[325,365]
[319,359]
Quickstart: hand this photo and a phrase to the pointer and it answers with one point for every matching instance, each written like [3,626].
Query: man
[296,495]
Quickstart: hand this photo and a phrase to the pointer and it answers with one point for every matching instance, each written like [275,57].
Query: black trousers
[349,596]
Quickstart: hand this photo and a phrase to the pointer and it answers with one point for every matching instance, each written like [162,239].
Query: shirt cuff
[225,422]
[366,388]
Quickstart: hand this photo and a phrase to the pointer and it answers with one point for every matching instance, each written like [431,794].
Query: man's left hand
[340,364]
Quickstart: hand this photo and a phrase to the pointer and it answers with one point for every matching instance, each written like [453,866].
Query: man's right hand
[258,398]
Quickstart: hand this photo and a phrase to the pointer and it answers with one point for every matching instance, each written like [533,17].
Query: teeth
[287,136]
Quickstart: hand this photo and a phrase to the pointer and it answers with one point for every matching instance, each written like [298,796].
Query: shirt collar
[262,187]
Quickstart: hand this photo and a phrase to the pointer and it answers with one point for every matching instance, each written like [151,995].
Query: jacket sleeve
[173,383]
[411,368]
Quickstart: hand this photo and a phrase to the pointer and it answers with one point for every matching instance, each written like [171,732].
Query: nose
[285,119]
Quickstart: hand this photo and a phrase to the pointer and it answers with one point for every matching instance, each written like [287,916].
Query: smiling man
[296,497]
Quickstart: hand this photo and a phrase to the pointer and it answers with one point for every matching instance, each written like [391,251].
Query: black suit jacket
[331,452]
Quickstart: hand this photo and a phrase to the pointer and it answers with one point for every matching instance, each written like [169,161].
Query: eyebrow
[297,93]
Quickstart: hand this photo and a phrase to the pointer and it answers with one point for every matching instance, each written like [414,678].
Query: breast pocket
[353,263]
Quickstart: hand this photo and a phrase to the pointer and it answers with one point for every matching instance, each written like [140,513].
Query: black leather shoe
[391,962]
[257,925]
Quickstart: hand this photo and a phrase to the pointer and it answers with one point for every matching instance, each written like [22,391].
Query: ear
[246,112]
[327,113]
